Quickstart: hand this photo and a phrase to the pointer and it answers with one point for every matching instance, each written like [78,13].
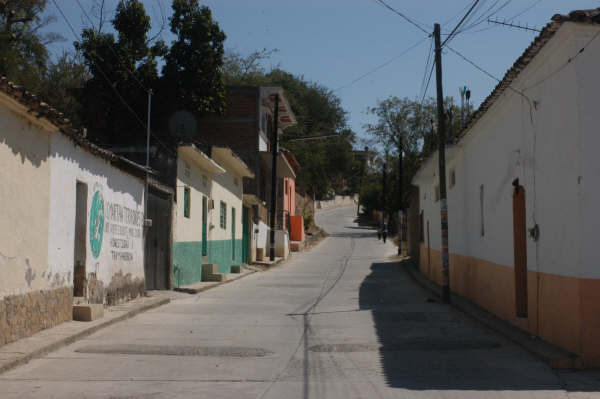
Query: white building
[210,222]
[523,190]
[70,221]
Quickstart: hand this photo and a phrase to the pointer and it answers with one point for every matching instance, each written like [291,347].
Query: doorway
[233,233]
[157,256]
[245,236]
[520,249]
[80,249]
[204,226]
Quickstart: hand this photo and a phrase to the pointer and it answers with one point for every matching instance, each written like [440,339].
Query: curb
[79,335]
[555,357]
[208,287]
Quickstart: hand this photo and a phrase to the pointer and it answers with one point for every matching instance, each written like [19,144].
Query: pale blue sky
[333,42]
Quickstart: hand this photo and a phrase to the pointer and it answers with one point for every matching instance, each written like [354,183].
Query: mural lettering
[124,225]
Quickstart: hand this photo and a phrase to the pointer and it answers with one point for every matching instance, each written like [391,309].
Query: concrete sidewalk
[22,351]
[205,285]
[554,356]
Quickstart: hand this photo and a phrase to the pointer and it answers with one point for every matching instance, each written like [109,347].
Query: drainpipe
[274,149]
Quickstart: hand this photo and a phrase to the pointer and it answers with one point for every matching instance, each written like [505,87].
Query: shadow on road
[425,345]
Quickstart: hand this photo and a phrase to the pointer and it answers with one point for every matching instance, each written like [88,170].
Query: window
[186,202]
[452,178]
[223,216]
[481,209]
[437,192]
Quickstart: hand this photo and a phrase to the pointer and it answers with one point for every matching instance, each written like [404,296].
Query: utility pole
[362,176]
[442,166]
[147,221]
[275,151]
[384,188]
[400,196]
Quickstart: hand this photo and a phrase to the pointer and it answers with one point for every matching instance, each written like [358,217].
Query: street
[338,321]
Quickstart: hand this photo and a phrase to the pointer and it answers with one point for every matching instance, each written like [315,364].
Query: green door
[233,233]
[204,209]
[245,236]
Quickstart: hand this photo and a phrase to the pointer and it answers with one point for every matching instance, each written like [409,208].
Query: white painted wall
[229,189]
[199,181]
[24,199]
[550,148]
[122,248]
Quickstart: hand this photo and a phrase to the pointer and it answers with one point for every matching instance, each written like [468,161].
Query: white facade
[543,135]
[114,222]
[548,146]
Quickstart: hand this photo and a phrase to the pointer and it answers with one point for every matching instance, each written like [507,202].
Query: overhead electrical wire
[364,75]
[450,36]
[132,73]
[405,17]
[105,77]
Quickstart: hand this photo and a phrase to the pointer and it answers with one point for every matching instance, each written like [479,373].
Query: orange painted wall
[562,310]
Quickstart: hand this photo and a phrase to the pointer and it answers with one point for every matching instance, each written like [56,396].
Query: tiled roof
[42,110]
[591,16]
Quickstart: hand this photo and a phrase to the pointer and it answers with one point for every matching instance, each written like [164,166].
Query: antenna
[511,25]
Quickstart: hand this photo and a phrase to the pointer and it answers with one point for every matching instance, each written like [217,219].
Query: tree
[61,84]
[328,165]
[114,99]
[247,70]
[23,53]
[192,77]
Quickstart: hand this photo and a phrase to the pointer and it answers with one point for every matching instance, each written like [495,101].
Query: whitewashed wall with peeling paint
[120,226]
[24,198]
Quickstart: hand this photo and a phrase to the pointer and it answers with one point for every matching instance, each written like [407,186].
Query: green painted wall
[187,257]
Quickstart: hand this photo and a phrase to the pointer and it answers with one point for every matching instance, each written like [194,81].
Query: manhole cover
[168,350]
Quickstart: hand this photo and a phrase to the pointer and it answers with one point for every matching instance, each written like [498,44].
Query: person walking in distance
[384,231]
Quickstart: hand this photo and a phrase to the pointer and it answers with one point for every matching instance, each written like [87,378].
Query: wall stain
[29,273]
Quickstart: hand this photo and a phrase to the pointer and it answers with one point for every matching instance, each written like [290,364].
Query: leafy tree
[61,84]
[192,77]
[23,53]
[121,70]
[239,70]
[407,129]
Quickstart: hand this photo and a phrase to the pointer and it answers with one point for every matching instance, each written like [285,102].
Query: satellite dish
[183,125]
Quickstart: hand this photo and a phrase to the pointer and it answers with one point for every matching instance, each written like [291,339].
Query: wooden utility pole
[274,150]
[400,196]
[442,164]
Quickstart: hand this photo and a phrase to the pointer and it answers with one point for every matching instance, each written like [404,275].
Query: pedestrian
[384,231]
[379,229]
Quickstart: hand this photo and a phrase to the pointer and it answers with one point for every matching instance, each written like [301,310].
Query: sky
[336,42]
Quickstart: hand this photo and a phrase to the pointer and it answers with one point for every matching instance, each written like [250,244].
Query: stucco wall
[546,141]
[114,223]
[24,195]
[191,176]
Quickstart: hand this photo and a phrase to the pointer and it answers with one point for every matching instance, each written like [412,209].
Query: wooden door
[233,233]
[157,262]
[245,236]
[520,250]
[204,226]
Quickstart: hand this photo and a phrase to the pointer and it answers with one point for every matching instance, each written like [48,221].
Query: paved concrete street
[339,321]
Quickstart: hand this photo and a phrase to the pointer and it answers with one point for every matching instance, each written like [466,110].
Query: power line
[108,80]
[428,80]
[487,73]
[535,3]
[459,23]
[426,67]
[405,17]
[381,66]
[563,66]
[114,52]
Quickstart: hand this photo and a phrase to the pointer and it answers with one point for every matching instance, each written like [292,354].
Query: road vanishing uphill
[339,321]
